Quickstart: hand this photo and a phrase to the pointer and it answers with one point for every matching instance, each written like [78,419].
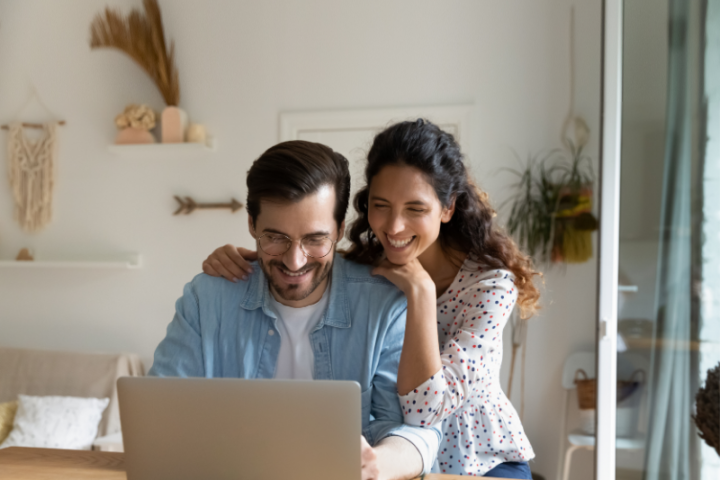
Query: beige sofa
[39,372]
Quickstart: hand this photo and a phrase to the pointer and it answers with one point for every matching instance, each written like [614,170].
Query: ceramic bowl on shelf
[134,136]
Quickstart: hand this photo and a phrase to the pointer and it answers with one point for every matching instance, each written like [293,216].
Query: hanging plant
[141,36]
[551,212]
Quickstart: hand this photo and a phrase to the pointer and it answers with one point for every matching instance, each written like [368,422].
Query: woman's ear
[447,212]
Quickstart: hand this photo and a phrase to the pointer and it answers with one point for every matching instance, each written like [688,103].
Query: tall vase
[173,125]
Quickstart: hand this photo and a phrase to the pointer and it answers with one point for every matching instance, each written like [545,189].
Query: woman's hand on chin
[411,278]
[230,262]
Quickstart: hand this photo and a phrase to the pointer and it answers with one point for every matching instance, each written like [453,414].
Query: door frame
[612,43]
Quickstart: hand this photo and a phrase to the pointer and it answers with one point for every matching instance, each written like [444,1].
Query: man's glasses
[315,246]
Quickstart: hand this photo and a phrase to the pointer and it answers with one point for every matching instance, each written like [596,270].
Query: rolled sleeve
[385,408]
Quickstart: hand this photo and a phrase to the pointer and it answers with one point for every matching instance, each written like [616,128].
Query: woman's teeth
[400,243]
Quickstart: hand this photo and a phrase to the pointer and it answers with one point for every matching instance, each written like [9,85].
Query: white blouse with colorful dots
[481,429]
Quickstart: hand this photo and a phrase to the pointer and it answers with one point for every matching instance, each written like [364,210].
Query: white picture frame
[350,132]
[453,118]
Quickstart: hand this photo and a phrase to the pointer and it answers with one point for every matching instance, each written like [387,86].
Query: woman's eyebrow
[412,202]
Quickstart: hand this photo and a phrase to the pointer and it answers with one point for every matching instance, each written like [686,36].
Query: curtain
[672,440]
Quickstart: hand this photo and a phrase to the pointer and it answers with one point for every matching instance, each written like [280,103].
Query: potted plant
[551,210]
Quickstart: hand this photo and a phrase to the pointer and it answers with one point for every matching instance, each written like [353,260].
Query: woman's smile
[399,243]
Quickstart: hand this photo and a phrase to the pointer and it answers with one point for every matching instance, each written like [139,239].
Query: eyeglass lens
[316,246]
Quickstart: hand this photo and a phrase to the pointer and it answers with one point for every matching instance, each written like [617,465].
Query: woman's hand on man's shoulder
[230,262]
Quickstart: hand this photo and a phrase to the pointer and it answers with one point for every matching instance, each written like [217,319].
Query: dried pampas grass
[142,37]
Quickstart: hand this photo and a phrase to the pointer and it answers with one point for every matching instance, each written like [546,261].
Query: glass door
[660,322]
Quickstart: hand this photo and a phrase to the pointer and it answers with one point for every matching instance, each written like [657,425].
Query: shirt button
[271,332]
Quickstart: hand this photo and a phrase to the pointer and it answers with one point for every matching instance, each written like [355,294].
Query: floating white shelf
[130,263]
[162,150]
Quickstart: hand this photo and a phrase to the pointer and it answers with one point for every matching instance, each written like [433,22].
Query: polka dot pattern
[481,429]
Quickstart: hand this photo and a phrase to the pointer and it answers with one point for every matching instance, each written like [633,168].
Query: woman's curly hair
[423,145]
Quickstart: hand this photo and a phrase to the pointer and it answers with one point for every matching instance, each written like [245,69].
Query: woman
[430,231]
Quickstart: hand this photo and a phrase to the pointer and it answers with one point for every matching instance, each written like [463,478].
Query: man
[307,313]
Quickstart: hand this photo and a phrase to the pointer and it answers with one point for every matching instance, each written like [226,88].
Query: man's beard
[295,292]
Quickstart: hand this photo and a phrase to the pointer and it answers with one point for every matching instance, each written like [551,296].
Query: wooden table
[48,464]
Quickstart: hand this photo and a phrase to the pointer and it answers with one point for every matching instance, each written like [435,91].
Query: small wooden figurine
[24,256]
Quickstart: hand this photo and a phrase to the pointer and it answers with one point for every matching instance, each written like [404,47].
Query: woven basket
[587,388]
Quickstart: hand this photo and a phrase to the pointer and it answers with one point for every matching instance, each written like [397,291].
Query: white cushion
[56,422]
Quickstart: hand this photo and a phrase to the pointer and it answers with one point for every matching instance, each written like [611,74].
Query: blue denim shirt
[225,329]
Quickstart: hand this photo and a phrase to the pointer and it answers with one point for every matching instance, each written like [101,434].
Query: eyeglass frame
[291,240]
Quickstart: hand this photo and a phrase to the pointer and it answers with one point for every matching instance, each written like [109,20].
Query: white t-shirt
[296,359]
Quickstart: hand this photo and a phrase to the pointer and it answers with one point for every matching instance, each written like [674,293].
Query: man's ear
[251,227]
[341,231]
[448,212]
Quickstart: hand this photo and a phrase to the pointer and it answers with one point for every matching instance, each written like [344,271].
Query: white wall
[241,63]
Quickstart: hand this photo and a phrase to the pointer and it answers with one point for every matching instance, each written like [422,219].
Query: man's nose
[294,259]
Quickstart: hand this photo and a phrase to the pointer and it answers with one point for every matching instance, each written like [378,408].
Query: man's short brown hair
[290,171]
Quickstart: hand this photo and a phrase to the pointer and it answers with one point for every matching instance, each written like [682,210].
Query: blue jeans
[519,470]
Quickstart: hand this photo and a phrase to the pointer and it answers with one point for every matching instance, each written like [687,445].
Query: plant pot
[133,136]
[173,124]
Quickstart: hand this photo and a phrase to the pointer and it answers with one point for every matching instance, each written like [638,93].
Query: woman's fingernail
[245,277]
[235,280]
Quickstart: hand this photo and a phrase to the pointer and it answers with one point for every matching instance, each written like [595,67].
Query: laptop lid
[197,428]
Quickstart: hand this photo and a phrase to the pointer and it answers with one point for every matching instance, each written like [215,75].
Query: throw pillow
[7,415]
[56,422]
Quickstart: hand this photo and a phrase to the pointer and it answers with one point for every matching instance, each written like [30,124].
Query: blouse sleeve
[481,310]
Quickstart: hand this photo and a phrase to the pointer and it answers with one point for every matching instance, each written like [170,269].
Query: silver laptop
[196,429]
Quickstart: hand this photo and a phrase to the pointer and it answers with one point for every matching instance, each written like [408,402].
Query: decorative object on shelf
[196,133]
[707,409]
[135,124]
[24,256]
[141,36]
[173,125]
[188,205]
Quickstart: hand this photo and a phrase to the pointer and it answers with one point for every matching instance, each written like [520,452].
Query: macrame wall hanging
[31,167]
[31,171]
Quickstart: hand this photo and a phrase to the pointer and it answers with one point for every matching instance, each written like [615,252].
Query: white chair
[578,439]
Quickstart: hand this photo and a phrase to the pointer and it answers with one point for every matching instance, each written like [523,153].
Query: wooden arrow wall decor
[188,205]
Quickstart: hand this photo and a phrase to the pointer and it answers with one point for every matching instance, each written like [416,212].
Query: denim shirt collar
[337,315]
